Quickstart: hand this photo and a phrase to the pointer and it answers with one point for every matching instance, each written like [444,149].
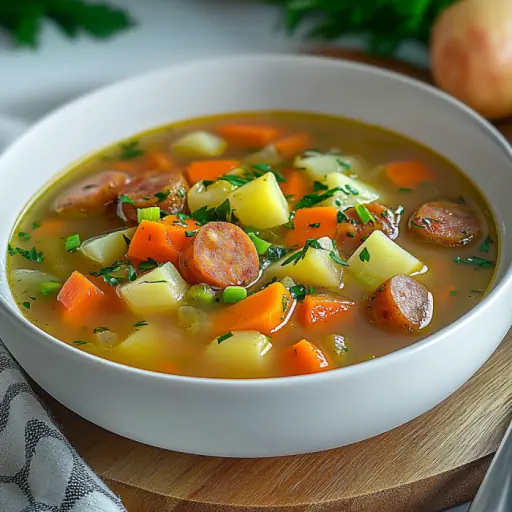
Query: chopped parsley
[299,291]
[285,302]
[364,214]
[11,250]
[130,150]
[36,225]
[310,200]
[337,259]
[101,329]
[204,214]
[236,181]
[126,240]
[343,164]
[106,272]
[132,275]
[416,225]
[453,292]
[190,234]
[181,192]
[142,323]
[123,198]
[31,255]
[23,235]
[162,196]
[486,244]
[319,186]
[364,255]
[26,305]
[148,264]
[80,342]
[275,252]
[341,217]
[402,189]
[224,337]
[300,255]
[314,225]
[351,190]
[476,261]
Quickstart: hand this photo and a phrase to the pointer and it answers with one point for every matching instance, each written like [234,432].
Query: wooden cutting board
[432,463]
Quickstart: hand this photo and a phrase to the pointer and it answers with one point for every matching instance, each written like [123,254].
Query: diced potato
[107,248]
[357,192]
[158,291]
[267,155]
[317,268]
[242,353]
[28,282]
[106,339]
[143,345]
[318,165]
[211,197]
[260,203]
[193,320]
[200,144]
[385,260]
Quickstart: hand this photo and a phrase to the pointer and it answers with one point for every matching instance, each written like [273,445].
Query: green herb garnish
[314,225]
[300,291]
[26,305]
[149,264]
[341,217]
[142,323]
[453,292]
[23,235]
[36,225]
[319,186]
[190,234]
[476,261]
[402,189]
[300,255]
[123,198]
[31,255]
[337,259]
[275,252]
[364,255]
[486,244]
[343,164]
[162,196]
[101,329]
[72,243]
[80,342]
[224,337]
[106,273]
[364,214]
[310,200]
[351,190]
[130,150]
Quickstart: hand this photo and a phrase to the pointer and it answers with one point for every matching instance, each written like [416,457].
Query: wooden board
[432,463]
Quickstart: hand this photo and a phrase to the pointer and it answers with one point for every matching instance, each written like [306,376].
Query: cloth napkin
[39,469]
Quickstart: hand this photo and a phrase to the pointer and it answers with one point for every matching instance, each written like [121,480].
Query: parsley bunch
[23,19]
[386,23]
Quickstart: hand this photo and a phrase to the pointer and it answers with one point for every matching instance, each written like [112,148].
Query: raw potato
[200,144]
[366,194]
[243,353]
[145,344]
[211,197]
[387,259]
[260,203]
[316,269]
[158,291]
[106,339]
[106,249]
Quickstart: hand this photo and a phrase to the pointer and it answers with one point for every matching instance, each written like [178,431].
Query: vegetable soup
[253,245]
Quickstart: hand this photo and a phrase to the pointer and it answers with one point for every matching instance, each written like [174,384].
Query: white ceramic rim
[437,337]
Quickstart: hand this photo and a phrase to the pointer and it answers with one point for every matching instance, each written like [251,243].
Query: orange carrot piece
[248,135]
[408,174]
[314,222]
[177,230]
[263,312]
[296,184]
[303,358]
[157,160]
[50,226]
[321,308]
[79,296]
[151,241]
[293,145]
[209,169]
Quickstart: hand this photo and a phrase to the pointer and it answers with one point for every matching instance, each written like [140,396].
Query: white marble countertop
[33,83]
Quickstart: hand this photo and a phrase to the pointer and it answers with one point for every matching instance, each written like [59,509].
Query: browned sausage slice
[93,192]
[221,254]
[402,304]
[445,223]
[353,232]
[154,188]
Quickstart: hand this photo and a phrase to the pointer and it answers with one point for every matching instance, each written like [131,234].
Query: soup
[253,245]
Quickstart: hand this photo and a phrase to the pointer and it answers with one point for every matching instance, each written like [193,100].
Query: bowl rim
[263,58]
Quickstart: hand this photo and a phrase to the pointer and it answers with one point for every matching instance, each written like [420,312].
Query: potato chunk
[353,192]
[200,144]
[107,248]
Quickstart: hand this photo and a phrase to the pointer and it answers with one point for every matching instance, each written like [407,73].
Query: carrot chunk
[79,296]
[209,169]
[248,135]
[293,145]
[159,160]
[303,358]
[321,308]
[314,222]
[263,312]
[151,241]
[179,231]
[296,184]
[408,174]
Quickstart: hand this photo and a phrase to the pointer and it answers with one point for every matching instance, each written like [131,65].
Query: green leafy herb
[22,235]
[132,275]
[149,264]
[476,261]
[101,329]
[142,323]
[275,252]
[236,181]
[72,243]
[416,225]
[290,224]
[181,192]
[123,198]
[207,183]
[299,291]
[259,170]
[224,337]
[162,196]
[341,217]
[486,244]
[130,150]
[204,214]
[106,273]
[300,255]
[351,190]
[50,288]
[453,292]
[190,234]
[31,255]
[127,241]
[310,200]
[364,214]
[36,225]
[337,259]
[80,342]
[26,305]
[314,225]
[319,186]
[364,255]
[343,164]
[11,250]
[402,189]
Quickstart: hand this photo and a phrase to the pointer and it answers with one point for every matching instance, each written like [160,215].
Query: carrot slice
[159,160]
[321,308]
[296,184]
[314,222]
[179,231]
[151,241]
[293,145]
[79,296]
[263,312]
[209,169]
[303,358]
[248,135]
[408,174]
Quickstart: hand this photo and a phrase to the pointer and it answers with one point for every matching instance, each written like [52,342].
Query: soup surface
[253,245]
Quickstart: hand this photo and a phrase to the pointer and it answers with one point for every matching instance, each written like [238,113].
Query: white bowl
[274,416]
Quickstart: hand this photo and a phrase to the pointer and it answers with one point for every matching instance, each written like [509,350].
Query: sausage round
[91,193]
[352,232]
[445,223]
[221,254]
[402,304]
[154,188]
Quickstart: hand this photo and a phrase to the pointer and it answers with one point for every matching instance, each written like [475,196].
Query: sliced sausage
[221,254]
[91,193]
[353,232]
[402,304]
[154,188]
[445,223]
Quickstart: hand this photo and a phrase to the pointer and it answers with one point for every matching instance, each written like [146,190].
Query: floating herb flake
[224,337]
[23,235]
[123,198]
[142,323]
[486,244]
[476,261]
[130,150]
[364,255]
[364,214]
